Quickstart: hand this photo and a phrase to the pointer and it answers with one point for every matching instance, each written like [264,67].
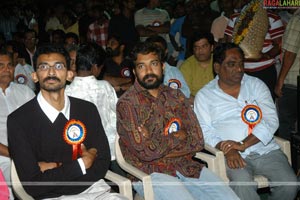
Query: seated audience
[89,62]
[117,68]
[159,134]
[172,75]
[12,96]
[238,116]
[59,143]
[197,70]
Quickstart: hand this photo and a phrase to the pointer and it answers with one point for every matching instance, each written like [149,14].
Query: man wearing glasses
[238,116]
[53,140]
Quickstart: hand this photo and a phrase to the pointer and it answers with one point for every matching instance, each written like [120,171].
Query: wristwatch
[243,144]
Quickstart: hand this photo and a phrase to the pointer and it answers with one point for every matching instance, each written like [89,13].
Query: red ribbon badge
[251,115]
[74,134]
[173,126]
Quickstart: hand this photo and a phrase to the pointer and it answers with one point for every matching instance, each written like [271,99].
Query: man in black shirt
[59,148]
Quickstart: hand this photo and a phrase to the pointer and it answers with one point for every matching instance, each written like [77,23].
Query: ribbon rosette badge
[74,134]
[174,83]
[173,126]
[251,115]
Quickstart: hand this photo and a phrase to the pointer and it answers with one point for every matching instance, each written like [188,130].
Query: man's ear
[34,77]
[163,66]
[217,67]
[70,75]
[96,70]
[122,47]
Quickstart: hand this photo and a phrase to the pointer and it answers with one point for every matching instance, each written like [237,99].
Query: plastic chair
[211,161]
[262,181]
[124,184]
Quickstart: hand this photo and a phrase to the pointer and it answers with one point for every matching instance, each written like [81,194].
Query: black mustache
[51,78]
[149,76]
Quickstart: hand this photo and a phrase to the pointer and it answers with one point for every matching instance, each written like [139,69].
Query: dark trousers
[287,108]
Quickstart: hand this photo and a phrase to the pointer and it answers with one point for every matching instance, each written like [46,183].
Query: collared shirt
[151,17]
[160,115]
[98,33]
[220,118]
[103,95]
[15,96]
[195,75]
[291,42]
[52,114]
[174,79]
[23,75]
[31,55]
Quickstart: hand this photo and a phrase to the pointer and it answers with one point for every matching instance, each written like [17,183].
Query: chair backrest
[17,185]
[145,178]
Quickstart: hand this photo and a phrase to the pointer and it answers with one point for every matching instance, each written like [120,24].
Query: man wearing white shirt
[237,116]
[89,62]
[12,96]
[62,142]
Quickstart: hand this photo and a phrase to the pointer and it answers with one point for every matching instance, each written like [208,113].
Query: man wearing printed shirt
[172,75]
[263,68]
[147,115]
[228,125]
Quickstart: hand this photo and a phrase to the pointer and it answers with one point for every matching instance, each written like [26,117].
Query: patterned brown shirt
[152,154]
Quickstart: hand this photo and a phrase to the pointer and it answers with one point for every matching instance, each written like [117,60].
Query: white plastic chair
[262,181]
[124,184]
[211,161]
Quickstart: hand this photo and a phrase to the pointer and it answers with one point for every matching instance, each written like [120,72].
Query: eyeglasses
[234,64]
[56,66]
[9,66]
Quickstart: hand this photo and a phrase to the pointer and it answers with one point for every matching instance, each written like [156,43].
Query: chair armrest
[17,186]
[285,146]
[219,163]
[123,183]
[145,178]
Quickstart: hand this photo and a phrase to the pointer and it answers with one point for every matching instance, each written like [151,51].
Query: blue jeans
[208,187]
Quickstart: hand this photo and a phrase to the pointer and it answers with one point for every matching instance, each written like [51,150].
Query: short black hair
[4,52]
[162,41]
[116,37]
[72,35]
[146,48]
[201,35]
[51,48]
[89,54]
[159,39]
[220,51]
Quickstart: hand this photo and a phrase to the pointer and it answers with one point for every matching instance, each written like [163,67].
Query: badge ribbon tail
[76,151]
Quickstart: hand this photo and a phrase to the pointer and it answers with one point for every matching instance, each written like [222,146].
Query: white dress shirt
[15,96]
[103,95]
[219,114]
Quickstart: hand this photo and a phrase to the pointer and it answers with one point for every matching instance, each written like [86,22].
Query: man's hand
[88,156]
[48,165]
[278,89]
[234,159]
[227,145]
